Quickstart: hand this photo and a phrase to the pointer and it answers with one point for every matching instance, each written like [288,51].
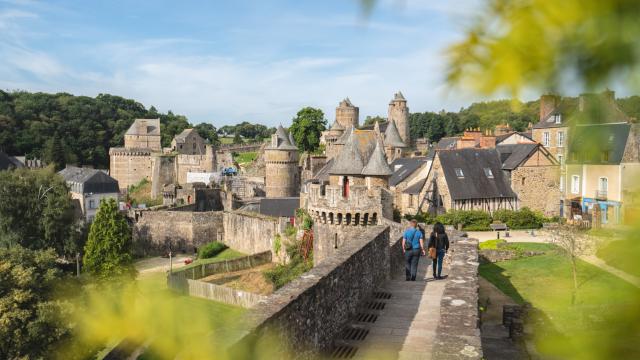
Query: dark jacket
[439,241]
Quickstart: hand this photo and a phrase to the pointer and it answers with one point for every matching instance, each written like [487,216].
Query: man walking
[412,248]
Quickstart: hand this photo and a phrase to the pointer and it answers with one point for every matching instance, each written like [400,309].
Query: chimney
[548,103]
[488,141]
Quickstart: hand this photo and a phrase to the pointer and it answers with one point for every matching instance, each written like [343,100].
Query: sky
[224,62]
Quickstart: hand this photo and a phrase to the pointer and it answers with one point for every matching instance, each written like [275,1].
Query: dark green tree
[55,153]
[36,211]
[307,127]
[237,139]
[108,253]
[370,120]
[208,132]
[30,316]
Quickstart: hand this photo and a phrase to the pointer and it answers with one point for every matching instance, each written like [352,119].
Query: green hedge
[478,220]
[474,220]
[524,218]
[211,249]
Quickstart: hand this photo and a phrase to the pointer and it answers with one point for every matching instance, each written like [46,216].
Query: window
[603,184]
[488,173]
[180,146]
[575,184]
[546,139]
[560,159]
[92,204]
[560,138]
[459,173]
[557,118]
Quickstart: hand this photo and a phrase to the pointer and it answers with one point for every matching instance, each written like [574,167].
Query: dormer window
[459,173]
[488,173]
[557,119]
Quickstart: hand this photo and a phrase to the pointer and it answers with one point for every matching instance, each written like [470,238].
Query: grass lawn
[545,281]
[226,254]
[245,157]
[622,254]
[226,140]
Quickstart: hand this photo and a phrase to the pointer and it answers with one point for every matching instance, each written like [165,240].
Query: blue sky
[229,61]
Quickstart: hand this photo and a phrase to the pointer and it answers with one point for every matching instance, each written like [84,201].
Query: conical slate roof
[291,141]
[343,138]
[399,96]
[392,136]
[376,127]
[284,143]
[337,126]
[282,133]
[348,161]
[377,165]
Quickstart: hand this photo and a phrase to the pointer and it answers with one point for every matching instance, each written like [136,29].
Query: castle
[282,173]
[143,157]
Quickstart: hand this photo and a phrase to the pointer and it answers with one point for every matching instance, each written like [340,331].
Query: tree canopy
[307,127]
[109,252]
[36,211]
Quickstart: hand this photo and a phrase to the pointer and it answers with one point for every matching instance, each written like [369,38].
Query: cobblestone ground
[406,325]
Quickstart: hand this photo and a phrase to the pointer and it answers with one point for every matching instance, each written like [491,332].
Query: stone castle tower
[399,113]
[347,114]
[282,177]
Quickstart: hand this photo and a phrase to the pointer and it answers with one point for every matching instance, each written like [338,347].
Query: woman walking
[438,247]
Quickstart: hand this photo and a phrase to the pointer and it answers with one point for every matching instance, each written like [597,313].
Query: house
[406,173]
[188,142]
[466,179]
[88,187]
[533,174]
[602,171]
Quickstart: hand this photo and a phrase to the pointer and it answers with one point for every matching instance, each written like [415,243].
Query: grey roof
[415,188]
[408,167]
[183,135]
[382,124]
[475,184]
[501,138]
[85,180]
[512,155]
[345,135]
[323,173]
[284,143]
[291,141]
[589,143]
[336,126]
[392,136]
[144,127]
[377,164]
[279,207]
[346,103]
[348,161]
[398,96]
[9,162]
[447,143]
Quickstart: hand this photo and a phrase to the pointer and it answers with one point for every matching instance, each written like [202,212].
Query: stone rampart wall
[155,232]
[302,318]
[250,233]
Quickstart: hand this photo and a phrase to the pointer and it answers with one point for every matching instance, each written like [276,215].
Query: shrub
[474,220]
[282,274]
[524,218]
[421,218]
[211,249]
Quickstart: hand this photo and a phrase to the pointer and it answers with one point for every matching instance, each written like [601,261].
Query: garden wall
[250,233]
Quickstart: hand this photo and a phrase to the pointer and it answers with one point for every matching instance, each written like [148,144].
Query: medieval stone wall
[129,167]
[301,319]
[155,232]
[538,188]
[282,173]
[250,233]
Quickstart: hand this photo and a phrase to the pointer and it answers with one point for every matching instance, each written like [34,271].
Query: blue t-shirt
[413,235]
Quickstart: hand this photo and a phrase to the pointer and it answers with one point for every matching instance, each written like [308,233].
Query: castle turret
[282,177]
[399,112]
[347,114]
[393,143]
[377,170]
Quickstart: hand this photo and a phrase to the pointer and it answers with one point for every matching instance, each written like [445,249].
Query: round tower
[347,114]
[282,177]
[399,112]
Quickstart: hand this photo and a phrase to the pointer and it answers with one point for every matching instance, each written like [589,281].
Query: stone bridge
[356,304]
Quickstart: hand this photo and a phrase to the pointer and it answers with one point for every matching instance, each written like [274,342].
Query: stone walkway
[404,327]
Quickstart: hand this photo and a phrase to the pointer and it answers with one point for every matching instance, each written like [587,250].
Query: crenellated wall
[363,206]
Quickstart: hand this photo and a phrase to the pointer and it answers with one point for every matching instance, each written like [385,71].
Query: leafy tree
[109,252]
[55,153]
[237,139]
[36,211]
[307,127]
[370,120]
[208,132]
[29,314]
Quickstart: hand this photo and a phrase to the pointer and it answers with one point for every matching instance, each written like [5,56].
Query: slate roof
[349,160]
[397,96]
[377,164]
[590,142]
[345,135]
[336,126]
[346,103]
[144,127]
[392,136]
[447,143]
[279,207]
[475,184]
[512,155]
[183,135]
[408,167]
[415,188]
[85,180]
[381,124]
[284,142]
[323,174]
[501,138]
[9,162]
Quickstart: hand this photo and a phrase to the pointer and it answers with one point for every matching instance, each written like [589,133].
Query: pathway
[594,260]
[399,322]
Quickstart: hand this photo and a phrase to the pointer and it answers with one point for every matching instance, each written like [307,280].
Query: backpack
[408,245]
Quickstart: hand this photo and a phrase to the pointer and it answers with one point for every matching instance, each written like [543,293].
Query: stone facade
[282,172]
[399,113]
[538,188]
[302,319]
[347,114]
[130,166]
[143,134]
[251,233]
[188,142]
[156,232]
